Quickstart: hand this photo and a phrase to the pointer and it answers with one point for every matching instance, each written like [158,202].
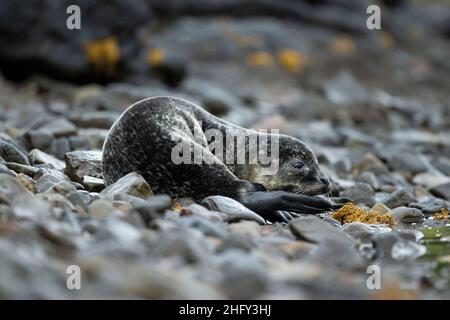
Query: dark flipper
[272,205]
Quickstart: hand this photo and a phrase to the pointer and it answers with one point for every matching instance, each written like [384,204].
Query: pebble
[360,193]
[398,198]
[39,157]
[232,210]
[246,228]
[442,191]
[83,163]
[313,229]
[93,184]
[133,184]
[407,215]
[22,168]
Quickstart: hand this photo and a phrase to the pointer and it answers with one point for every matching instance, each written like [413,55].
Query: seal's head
[298,170]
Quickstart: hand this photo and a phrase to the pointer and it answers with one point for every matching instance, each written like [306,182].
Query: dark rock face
[34,37]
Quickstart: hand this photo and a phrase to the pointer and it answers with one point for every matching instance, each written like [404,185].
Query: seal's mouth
[309,189]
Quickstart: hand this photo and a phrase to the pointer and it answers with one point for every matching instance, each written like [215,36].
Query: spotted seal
[144,137]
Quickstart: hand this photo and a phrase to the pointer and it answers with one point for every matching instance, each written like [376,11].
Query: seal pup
[143,138]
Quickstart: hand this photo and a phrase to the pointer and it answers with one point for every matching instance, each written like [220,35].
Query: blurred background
[373,104]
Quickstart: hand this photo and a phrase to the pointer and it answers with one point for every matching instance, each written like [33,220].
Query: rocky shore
[374,105]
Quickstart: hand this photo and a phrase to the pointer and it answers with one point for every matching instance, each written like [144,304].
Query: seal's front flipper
[273,205]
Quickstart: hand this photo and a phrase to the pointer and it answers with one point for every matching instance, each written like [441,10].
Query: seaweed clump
[443,215]
[352,213]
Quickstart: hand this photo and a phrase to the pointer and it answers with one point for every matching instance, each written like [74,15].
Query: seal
[147,135]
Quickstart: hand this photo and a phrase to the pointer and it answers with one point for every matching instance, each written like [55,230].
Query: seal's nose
[325,181]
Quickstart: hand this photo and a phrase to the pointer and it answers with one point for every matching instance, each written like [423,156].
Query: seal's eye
[298,165]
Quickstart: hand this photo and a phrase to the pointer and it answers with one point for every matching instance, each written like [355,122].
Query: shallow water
[437,241]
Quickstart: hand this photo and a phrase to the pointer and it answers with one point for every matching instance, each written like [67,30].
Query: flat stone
[407,214]
[133,184]
[83,163]
[431,205]
[10,152]
[369,178]
[38,157]
[60,147]
[398,198]
[232,210]
[359,229]
[39,139]
[56,183]
[431,180]
[207,227]
[153,207]
[360,193]
[442,191]
[381,209]
[22,168]
[93,184]
[313,229]
[95,119]
[60,127]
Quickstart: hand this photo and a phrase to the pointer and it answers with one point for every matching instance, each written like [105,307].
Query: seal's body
[144,137]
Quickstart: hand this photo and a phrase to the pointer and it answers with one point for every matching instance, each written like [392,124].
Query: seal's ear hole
[298,164]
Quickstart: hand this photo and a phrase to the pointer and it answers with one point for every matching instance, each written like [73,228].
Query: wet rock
[39,157]
[233,210]
[10,152]
[397,246]
[133,184]
[83,163]
[398,198]
[313,229]
[407,215]
[359,229]
[360,193]
[431,205]
[407,250]
[442,191]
